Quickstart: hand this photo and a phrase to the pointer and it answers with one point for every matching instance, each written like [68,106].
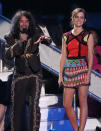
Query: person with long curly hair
[23,46]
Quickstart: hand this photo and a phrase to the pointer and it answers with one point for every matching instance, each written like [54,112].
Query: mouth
[79,22]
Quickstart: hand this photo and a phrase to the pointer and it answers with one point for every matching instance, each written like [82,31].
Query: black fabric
[5,91]
[34,65]
[20,65]
[32,88]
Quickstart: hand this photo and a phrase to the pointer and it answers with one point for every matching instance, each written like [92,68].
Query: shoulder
[6,36]
[86,34]
[67,33]
[9,39]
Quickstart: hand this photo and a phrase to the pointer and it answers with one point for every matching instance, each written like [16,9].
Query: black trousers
[23,87]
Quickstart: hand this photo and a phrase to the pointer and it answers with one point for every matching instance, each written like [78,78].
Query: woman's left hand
[87,79]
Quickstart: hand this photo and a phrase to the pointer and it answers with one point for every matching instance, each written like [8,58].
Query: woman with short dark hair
[75,71]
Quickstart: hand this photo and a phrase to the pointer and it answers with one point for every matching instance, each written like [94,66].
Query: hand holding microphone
[24,35]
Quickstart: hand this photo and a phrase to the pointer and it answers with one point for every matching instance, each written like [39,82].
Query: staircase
[52,112]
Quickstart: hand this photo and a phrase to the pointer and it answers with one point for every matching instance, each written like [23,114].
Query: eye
[82,17]
[76,17]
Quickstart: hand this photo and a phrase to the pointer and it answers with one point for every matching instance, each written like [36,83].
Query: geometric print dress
[76,66]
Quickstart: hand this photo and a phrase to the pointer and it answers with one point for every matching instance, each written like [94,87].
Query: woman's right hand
[60,80]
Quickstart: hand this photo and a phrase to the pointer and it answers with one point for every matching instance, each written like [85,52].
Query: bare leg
[68,99]
[83,93]
[2,116]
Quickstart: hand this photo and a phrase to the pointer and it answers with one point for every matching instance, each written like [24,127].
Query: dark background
[56,12]
[49,6]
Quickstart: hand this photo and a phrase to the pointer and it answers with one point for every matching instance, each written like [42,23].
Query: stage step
[64,125]
[52,111]
[54,114]
[51,100]
[52,108]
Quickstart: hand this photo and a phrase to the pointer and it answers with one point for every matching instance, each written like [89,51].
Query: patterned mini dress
[76,66]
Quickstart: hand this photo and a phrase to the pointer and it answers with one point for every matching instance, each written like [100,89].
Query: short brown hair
[76,11]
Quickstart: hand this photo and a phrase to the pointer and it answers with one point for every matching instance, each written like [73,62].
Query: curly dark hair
[15,28]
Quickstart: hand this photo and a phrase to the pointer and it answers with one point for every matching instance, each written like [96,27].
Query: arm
[62,61]
[90,54]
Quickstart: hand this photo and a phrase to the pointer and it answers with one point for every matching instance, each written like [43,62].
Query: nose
[24,24]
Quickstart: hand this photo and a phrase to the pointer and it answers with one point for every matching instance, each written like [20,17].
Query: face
[79,19]
[24,23]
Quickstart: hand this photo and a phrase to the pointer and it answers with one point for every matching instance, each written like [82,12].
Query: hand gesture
[42,38]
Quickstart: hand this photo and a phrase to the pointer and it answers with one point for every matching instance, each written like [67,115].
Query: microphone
[24,31]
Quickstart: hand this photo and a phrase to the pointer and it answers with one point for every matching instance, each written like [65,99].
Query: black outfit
[5,91]
[27,80]
[4,85]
